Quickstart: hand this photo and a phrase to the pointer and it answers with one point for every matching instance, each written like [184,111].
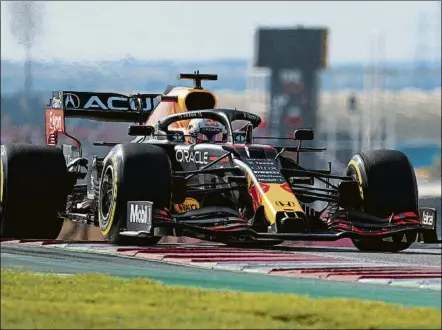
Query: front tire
[132,172]
[388,185]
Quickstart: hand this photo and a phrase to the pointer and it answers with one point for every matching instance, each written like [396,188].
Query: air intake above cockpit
[200,100]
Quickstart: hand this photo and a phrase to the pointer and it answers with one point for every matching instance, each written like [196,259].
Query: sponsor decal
[240,138]
[195,157]
[210,129]
[178,137]
[265,170]
[188,205]
[139,216]
[57,100]
[102,102]
[190,114]
[56,103]
[96,103]
[54,123]
[224,160]
[72,100]
[139,213]
[211,123]
[427,218]
[274,198]
[251,116]
[263,165]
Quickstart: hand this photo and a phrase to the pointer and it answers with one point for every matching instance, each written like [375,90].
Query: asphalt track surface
[42,259]
[419,255]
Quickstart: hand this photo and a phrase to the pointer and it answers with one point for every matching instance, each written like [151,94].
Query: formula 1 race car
[187,172]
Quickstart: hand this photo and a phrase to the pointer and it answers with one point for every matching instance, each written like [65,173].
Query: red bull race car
[189,172]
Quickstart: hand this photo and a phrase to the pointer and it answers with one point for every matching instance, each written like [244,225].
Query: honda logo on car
[196,157]
[139,213]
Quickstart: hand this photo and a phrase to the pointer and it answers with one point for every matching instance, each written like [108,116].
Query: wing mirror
[303,134]
[137,130]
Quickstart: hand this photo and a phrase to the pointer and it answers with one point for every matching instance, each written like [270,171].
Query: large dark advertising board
[295,57]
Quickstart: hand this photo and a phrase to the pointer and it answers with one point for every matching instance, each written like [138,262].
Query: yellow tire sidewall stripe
[355,165]
[115,186]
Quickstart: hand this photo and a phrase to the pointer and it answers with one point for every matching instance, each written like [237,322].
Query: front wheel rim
[106,195]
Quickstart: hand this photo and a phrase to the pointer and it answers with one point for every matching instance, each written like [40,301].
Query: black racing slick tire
[387,185]
[132,172]
[33,190]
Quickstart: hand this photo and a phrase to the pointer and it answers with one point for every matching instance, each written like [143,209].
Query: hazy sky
[90,30]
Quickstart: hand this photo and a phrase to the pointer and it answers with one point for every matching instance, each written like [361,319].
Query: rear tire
[387,185]
[33,189]
[132,172]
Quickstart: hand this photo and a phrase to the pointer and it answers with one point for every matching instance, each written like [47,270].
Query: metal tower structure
[422,48]
[437,35]
[293,56]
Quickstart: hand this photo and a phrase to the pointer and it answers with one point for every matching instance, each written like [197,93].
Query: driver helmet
[207,130]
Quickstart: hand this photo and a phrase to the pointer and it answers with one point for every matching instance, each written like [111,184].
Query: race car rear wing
[113,107]
[103,106]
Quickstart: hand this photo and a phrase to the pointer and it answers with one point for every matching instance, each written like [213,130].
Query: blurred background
[364,75]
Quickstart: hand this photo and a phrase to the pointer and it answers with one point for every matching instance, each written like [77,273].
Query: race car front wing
[223,224]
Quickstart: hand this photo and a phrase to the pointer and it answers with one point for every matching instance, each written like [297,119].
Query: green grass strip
[30,300]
